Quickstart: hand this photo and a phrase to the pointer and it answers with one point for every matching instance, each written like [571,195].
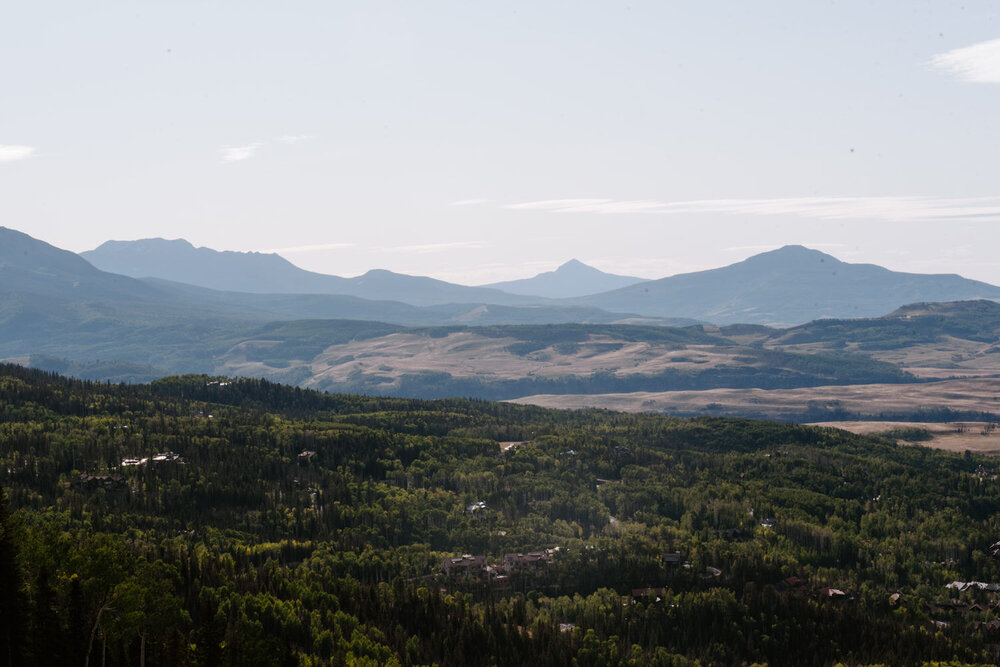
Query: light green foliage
[246,552]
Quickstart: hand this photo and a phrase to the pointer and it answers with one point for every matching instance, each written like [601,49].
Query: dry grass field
[466,354]
[976,437]
[969,394]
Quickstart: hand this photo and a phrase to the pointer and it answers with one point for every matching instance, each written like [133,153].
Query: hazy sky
[481,141]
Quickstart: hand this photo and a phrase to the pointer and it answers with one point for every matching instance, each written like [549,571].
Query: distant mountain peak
[573,264]
[145,244]
[785,286]
[793,253]
[571,279]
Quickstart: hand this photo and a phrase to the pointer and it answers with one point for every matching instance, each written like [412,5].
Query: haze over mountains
[53,302]
[58,311]
[790,285]
[269,273]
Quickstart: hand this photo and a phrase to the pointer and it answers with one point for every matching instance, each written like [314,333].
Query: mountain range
[786,286]
[59,311]
[53,302]
[790,285]
[268,273]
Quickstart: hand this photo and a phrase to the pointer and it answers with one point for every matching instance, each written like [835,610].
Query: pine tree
[12,611]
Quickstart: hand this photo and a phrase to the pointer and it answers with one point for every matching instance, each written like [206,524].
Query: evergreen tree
[11,596]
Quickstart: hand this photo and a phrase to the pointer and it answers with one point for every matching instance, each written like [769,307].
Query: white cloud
[312,248]
[12,153]
[468,202]
[292,139]
[239,153]
[435,247]
[979,63]
[558,205]
[892,209]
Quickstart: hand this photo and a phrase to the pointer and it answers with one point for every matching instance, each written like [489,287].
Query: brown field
[976,437]
[970,394]
[467,354]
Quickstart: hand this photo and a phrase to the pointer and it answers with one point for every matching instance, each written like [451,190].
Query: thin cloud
[891,209]
[435,247]
[979,63]
[468,202]
[292,139]
[557,205]
[239,153]
[312,248]
[13,153]
[593,206]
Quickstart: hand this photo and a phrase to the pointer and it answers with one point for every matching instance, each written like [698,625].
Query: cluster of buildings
[162,457]
[475,567]
[962,586]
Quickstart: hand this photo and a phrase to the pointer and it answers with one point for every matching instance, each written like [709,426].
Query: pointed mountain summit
[572,279]
[790,285]
[269,273]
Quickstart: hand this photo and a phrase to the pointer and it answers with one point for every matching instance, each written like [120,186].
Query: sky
[477,142]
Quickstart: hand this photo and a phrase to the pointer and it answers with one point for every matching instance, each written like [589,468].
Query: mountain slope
[30,265]
[787,286]
[572,279]
[180,261]
[268,273]
[52,302]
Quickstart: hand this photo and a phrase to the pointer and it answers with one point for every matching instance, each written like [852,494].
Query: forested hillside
[203,521]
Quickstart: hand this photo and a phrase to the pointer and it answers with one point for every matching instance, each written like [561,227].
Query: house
[832,594]
[961,586]
[672,558]
[106,482]
[465,566]
[991,627]
[797,584]
[533,561]
[639,594]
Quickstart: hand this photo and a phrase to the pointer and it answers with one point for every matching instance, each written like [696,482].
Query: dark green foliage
[910,434]
[12,607]
[310,529]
